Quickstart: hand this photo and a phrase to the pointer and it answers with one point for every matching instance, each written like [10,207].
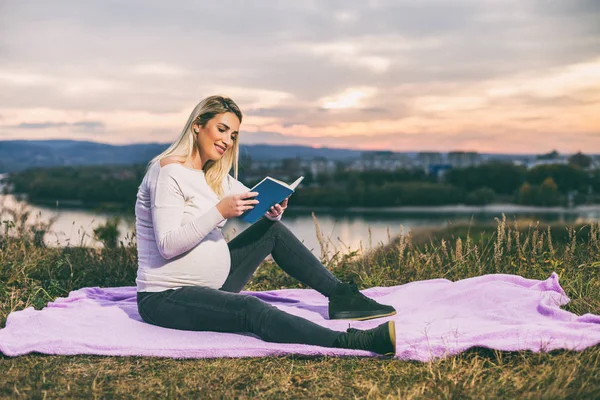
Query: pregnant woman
[190,278]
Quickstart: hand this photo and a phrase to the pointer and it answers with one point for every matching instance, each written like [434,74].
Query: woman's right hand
[236,204]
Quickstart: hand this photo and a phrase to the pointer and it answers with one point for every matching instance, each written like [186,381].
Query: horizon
[498,78]
[320,147]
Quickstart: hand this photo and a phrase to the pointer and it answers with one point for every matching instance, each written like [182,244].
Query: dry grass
[32,275]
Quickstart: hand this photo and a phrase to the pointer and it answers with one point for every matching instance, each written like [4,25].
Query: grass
[32,275]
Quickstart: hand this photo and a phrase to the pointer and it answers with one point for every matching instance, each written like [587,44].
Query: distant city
[433,163]
[284,162]
[411,177]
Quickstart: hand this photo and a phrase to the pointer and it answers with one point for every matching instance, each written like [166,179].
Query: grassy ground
[32,275]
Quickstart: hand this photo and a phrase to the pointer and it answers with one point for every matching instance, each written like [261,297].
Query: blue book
[270,192]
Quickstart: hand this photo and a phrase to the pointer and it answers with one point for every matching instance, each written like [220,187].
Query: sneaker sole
[392,330]
[348,315]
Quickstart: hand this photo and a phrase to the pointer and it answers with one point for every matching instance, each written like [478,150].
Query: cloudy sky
[492,76]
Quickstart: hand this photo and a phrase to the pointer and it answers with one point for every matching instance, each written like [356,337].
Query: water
[344,231]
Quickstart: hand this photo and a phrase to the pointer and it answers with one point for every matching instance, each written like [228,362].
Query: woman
[189,277]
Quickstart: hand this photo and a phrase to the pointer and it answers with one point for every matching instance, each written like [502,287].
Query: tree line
[544,185]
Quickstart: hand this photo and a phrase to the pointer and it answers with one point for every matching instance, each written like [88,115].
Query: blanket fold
[435,318]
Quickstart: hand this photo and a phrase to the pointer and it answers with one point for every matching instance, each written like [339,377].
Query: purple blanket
[435,318]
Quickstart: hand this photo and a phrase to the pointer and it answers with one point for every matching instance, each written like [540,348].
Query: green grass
[33,275]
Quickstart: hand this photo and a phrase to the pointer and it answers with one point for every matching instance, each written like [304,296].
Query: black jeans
[201,308]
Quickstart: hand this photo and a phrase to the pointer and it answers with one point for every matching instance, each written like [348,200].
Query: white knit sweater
[178,229]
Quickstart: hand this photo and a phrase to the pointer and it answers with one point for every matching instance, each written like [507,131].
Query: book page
[292,186]
[278,181]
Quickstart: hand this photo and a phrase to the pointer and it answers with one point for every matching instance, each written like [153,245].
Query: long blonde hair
[183,147]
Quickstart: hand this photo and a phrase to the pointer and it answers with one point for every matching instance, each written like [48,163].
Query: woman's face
[217,137]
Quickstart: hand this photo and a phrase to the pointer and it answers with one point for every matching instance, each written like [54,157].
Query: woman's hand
[235,205]
[277,209]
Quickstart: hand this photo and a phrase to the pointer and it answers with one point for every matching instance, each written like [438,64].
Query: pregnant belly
[207,264]
[210,261]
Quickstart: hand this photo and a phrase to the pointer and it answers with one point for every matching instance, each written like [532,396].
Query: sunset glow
[403,86]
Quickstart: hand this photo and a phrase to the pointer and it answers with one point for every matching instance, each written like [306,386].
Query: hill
[17,155]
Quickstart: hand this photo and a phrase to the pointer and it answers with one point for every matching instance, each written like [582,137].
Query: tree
[548,193]
[501,177]
[567,177]
[580,160]
[481,196]
[548,156]
[526,194]
[308,178]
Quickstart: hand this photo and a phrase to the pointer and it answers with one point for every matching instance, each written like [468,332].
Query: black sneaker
[347,302]
[381,339]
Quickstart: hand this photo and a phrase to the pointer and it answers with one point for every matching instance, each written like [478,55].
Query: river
[345,230]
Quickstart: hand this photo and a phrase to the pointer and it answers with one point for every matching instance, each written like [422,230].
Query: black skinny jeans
[201,308]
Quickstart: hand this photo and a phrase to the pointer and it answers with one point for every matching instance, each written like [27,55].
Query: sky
[506,76]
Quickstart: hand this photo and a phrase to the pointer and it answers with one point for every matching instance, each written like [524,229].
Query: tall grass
[32,274]
[529,249]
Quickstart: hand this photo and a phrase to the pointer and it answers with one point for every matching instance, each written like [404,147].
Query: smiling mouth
[220,149]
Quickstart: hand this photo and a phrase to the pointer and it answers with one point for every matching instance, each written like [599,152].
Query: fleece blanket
[435,318]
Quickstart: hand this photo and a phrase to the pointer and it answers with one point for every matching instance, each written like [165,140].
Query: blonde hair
[183,147]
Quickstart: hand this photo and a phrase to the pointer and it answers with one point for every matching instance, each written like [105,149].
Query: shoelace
[363,339]
[354,289]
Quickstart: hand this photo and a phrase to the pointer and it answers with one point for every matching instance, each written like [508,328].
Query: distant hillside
[17,155]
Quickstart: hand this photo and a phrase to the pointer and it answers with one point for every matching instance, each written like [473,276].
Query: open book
[270,192]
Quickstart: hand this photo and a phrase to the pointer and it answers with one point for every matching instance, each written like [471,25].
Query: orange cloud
[551,108]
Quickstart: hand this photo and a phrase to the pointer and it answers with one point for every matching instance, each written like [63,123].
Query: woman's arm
[167,203]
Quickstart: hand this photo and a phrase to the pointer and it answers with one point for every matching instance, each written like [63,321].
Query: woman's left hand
[277,209]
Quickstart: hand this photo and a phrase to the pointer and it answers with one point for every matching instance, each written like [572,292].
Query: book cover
[270,192]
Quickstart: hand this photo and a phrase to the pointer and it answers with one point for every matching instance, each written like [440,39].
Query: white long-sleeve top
[178,229]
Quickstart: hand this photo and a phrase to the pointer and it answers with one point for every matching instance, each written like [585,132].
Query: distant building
[380,160]
[290,165]
[521,160]
[318,166]
[267,164]
[425,159]
[547,161]
[463,159]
